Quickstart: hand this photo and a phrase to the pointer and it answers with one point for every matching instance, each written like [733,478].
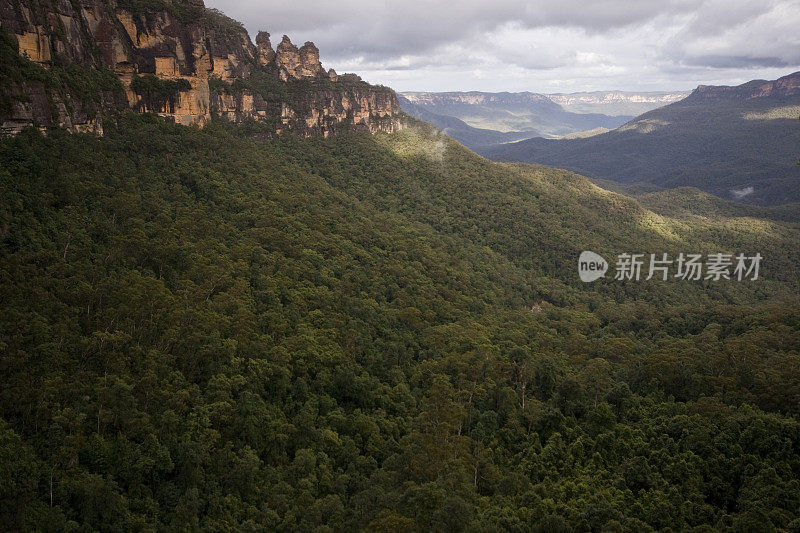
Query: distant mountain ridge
[475,98]
[786,86]
[737,142]
[471,137]
[480,119]
[508,112]
[616,103]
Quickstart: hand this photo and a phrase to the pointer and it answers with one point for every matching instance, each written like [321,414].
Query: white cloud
[741,193]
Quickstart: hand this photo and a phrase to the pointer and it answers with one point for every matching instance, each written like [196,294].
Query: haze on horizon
[540,46]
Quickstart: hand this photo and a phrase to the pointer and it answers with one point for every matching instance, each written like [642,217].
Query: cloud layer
[541,45]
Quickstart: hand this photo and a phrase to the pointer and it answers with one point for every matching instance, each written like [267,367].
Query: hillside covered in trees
[205,332]
[739,143]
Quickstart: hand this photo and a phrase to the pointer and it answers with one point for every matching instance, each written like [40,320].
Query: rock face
[786,86]
[266,54]
[610,97]
[294,64]
[71,62]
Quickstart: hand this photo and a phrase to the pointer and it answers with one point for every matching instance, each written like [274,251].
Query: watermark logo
[591,266]
[691,267]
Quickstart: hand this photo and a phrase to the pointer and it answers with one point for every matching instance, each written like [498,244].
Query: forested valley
[201,331]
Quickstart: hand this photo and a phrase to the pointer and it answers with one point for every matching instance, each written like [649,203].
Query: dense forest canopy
[202,331]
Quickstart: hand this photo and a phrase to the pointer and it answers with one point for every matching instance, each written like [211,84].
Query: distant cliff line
[68,64]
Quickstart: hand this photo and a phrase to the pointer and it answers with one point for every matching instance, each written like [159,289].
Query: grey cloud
[738,35]
[714,17]
[600,15]
[735,62]
[506,44]
[415,26]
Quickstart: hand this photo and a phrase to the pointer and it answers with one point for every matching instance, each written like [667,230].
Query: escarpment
[70,63]
[785,87]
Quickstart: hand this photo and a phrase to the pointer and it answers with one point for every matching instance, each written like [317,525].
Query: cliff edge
[68,63]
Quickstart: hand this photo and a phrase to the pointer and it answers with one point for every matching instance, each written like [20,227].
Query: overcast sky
[539,46]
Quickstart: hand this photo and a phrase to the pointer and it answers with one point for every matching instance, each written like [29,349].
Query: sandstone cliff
[784,87]
[70,62]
